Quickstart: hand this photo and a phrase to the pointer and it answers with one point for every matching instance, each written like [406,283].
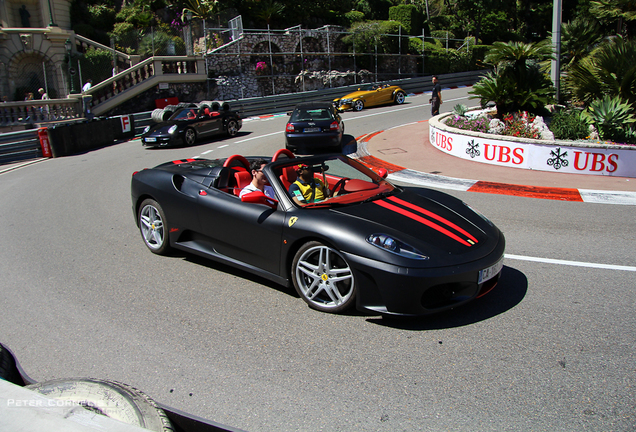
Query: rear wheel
[108,398]
[232,128]
[189,137]
[358,105]
[153,227]
[323,278]
[400,97]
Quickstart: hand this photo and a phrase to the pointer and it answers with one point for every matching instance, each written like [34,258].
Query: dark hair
[256,165]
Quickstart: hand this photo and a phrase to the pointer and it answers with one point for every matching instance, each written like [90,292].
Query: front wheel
[323,278]
[153,227]
[189,137]
[358,105]
[232,128]
[399,98]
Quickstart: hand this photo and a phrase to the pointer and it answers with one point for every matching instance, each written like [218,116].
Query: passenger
[307,188]
[259,181]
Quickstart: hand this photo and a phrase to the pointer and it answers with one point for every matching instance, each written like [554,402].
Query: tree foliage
[518,81]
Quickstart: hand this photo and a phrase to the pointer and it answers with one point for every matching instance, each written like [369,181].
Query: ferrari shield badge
[292,220]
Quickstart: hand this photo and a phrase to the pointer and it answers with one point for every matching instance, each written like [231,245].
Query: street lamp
[51,23]
[70,69]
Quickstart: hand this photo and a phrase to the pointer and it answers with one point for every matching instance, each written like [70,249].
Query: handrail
[130,59]
[143,72]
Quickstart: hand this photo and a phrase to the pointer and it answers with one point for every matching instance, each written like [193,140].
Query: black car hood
[161,128]
[434,223]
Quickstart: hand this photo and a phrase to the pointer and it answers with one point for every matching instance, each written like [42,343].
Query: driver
[307,188]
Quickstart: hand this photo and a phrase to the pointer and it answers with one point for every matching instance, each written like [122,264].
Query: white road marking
[570,263]
[258,137]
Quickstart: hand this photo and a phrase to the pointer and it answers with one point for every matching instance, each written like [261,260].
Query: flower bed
[516,149]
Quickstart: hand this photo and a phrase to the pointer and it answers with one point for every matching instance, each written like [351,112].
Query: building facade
[34,48]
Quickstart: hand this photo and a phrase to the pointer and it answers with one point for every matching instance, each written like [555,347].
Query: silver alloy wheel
[151,226]
[358,105]
[190,136]
[232,128]
[399,98]
[323,278]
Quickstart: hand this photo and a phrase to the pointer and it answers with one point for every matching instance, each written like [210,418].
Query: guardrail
[17,146]
[286,102]
[24,145]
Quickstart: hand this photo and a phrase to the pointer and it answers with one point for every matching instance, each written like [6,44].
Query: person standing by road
[43,94]
[436,96]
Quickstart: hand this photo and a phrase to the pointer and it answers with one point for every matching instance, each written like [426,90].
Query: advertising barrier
[554,156]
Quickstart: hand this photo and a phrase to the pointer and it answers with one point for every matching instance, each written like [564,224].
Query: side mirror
[258,197]
[382,172]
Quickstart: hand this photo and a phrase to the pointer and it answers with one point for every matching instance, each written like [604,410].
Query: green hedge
[410,18]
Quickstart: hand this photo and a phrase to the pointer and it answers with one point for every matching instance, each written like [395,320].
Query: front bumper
[343,105]
[159,140]
[400,291]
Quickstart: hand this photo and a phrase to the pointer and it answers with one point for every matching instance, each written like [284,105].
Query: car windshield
[348,181]
[311,114]
[184,114]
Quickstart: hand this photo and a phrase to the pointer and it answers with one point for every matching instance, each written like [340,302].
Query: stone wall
[263,64]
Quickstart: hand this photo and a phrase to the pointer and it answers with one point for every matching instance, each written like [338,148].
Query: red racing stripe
[422,220]
[434,216]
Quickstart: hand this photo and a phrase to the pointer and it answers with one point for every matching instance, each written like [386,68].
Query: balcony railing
[164,69]
[39,111]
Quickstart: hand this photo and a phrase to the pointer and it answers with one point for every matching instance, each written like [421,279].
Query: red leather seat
[243,178]
[288,176]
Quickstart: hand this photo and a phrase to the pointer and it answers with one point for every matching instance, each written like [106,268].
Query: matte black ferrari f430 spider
[367,243]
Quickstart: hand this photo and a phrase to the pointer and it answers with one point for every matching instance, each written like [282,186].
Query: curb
[398,173]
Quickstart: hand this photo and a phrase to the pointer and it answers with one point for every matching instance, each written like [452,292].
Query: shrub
[613,117]
[569,125]
[518,125]
[479,124]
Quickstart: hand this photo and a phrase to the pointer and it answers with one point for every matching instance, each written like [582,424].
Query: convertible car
[186,125]
[370,244]
[370,95]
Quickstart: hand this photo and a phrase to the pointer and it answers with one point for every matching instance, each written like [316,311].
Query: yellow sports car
[370,95]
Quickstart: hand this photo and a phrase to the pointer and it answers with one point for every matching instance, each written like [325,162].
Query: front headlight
[393,245]
[146,129]
[172,129]
[345,101]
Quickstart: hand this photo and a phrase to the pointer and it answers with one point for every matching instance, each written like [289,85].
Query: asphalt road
[552,348]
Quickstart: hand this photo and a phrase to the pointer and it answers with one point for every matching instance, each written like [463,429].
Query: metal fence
[17,146]
[283,56]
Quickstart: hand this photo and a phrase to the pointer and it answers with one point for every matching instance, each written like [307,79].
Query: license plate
[490,272]
[150,139]
[314,129]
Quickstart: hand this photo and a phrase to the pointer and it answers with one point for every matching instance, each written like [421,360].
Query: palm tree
[518,80]
[622,12]
[610,70]
[578,38]
[269,9]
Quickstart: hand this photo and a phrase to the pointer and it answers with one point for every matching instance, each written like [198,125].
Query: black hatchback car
[314,126]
